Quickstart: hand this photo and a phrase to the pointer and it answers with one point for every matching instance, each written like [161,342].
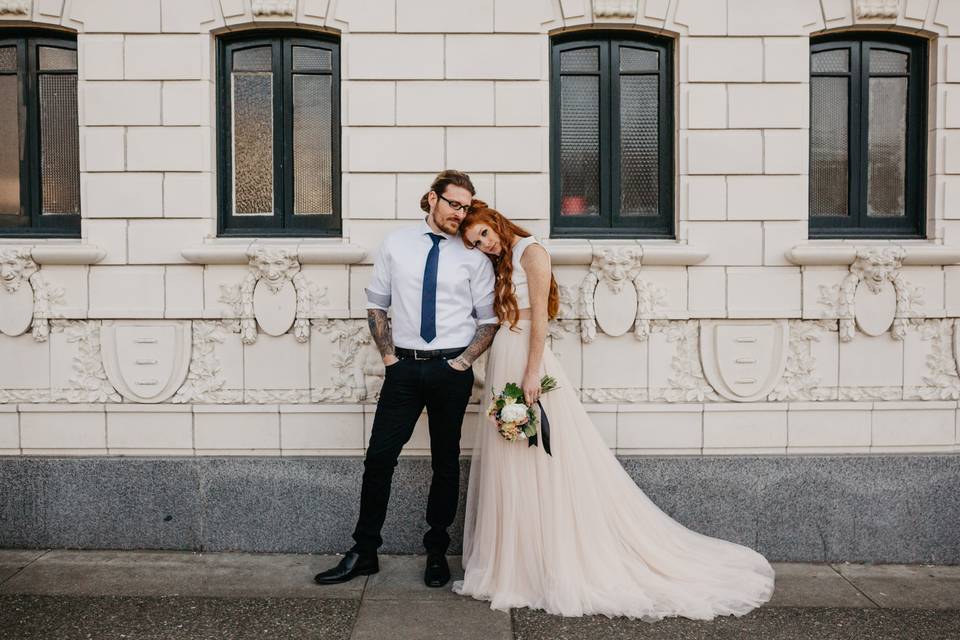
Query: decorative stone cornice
[15,7]
[877,8]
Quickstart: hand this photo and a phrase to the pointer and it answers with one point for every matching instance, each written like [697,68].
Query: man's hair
[444,179]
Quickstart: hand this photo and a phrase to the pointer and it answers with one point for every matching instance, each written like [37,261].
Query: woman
[571,533]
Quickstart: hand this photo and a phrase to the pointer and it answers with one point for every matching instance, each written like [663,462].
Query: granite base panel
[891,508]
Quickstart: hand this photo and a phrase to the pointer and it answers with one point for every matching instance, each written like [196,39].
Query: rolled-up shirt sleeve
[378,292]
[481,288]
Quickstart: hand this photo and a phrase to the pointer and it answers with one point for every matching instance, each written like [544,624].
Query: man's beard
[450,226]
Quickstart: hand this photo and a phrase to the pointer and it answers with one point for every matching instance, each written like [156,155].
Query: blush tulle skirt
[573,535]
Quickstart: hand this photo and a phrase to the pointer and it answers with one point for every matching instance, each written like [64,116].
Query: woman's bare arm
[536,263]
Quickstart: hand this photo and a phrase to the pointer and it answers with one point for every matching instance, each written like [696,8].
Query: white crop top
[520,288]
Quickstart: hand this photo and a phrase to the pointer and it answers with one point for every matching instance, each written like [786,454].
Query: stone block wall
[741,336]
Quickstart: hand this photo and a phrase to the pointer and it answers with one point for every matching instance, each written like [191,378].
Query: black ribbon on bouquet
[544,430]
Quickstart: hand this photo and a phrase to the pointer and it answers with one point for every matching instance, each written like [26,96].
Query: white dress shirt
[465,280]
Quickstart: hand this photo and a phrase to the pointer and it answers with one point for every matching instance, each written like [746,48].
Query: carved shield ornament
[875,306]
[146,361]
[16,310]
[743,359]
[275,306]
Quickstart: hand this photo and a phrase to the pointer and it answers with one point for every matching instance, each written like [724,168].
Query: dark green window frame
[609,221]
[856,222]
[282,221]
[27,145]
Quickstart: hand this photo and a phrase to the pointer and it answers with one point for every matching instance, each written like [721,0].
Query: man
[441,294]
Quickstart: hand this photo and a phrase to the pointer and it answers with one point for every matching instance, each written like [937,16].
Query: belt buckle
[417,357]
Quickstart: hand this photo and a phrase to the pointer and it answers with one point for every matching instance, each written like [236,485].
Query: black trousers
[409,386]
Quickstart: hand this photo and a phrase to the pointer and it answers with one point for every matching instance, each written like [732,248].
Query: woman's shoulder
[522,244]
[520,248]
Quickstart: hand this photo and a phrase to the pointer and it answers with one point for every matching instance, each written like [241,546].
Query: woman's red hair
[504,300]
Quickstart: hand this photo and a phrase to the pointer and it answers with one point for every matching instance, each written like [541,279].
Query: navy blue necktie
[428,303]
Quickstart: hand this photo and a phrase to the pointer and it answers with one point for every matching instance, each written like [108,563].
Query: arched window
[611,146]
[867,135]
[278,131]
[39,165]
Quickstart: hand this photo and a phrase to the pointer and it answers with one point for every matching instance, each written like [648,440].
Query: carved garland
[204,381]
[614,268]
[800,381]
[873,266]
[45,298]
[276,267]
[16,267]
[687,380]
[941,381]
[358,366]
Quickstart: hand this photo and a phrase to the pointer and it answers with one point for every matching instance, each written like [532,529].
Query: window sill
[308,251]
[844,252]
[654,252]
[57,252]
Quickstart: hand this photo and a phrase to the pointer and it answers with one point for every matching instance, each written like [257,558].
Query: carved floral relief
[205,381]
[29,306]
[874,296]
[614,296]
[275,295]
[800,379]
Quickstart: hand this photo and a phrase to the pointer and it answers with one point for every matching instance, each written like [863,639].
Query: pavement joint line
[850,582]
[356,618]
[24,567]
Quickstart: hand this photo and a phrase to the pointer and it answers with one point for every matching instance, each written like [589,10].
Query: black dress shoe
[352,565]
[437,572]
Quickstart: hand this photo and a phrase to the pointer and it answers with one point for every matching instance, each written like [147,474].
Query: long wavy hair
[504,300]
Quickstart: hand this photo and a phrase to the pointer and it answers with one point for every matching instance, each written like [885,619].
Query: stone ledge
[581,252]
[923,254]
[307,252]
[47,252]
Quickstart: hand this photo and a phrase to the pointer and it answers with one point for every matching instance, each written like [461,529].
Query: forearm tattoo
[381,332]
[481,340]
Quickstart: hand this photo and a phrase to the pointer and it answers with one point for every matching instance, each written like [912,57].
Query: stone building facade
[155,340]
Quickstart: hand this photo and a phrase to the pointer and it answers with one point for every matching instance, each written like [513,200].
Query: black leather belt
[420,354]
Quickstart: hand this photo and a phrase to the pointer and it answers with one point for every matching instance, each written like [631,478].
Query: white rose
[513,412]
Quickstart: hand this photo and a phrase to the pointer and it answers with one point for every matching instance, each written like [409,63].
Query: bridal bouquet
[517,421]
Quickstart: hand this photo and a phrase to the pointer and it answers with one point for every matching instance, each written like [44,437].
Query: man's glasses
[456,206]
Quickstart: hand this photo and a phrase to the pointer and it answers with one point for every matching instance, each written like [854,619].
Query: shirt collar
[426,228]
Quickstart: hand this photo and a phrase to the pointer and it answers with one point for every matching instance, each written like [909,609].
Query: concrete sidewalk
[54,595]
